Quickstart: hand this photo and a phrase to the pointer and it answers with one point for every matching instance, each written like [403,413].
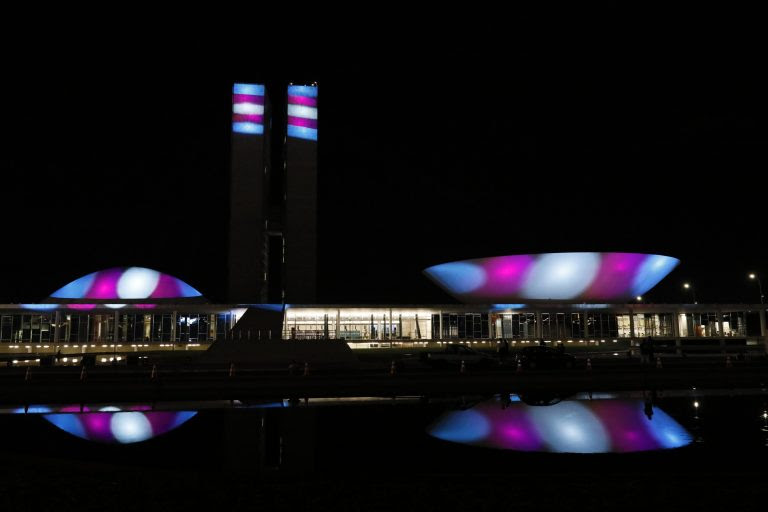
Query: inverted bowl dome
[563,276]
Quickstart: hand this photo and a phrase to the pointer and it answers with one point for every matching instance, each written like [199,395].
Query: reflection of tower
[300,221]
[249,186]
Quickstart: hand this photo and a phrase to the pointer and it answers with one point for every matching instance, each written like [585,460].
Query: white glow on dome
[130,427]
[137,283]
[561,276]
[573,428]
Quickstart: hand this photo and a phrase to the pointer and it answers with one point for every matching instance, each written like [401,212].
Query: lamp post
[688,286]
[756,277]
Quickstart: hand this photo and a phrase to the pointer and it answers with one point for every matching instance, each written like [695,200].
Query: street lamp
[756,277]
[639,298]
[688,286]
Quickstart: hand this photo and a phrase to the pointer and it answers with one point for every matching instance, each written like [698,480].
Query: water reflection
[115,425]
[599,426]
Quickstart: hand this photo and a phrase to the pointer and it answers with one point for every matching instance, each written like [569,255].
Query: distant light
[751,276]
[639,298]
[696,404]
[686,285]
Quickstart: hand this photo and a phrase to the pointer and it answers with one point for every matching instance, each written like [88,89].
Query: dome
[564,276]
[115,425]
[125,284]
[571,426]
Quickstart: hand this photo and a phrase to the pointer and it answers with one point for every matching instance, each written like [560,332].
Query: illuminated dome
[566,276]
[599,426]
[126,285]
[114,425]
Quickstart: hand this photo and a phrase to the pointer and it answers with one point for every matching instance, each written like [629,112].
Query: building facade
[378,326]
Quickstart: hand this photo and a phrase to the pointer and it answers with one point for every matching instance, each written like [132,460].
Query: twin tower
[273,195]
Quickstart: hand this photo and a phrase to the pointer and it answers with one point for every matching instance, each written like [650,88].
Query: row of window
[80,328]
[554,326]
[193,327]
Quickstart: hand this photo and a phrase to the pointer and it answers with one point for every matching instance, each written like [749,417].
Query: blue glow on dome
[654,269]
[668,432]
[459,276]
[462,427]
[69,423]
[39,307]
[76,288]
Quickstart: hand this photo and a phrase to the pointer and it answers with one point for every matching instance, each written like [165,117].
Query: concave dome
[125,284]
[564,276]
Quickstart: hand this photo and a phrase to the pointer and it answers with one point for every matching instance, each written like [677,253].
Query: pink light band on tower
[248,109]
[302,100]
[300,121]
[302,112]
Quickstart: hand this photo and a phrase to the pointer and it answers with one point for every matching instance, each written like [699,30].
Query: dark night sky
[430,151]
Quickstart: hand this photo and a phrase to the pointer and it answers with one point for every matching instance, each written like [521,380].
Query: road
[179,382]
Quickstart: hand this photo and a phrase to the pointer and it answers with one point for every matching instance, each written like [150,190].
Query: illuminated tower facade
[300,216]
[249,188]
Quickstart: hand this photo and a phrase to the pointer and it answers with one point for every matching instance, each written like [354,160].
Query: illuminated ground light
[569,276]
[302,112]
[600,426]
[113,425]
[248,109]
[125,283]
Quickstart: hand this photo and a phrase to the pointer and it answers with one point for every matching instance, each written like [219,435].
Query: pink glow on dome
[121,284]
[617,271]
[506,275]
[105,284]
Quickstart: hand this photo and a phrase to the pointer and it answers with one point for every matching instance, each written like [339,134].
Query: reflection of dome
[595,426]
[125,284]
[114,425]
[567,276]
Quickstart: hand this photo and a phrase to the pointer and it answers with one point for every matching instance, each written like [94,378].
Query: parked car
[455,353]
[544,358]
